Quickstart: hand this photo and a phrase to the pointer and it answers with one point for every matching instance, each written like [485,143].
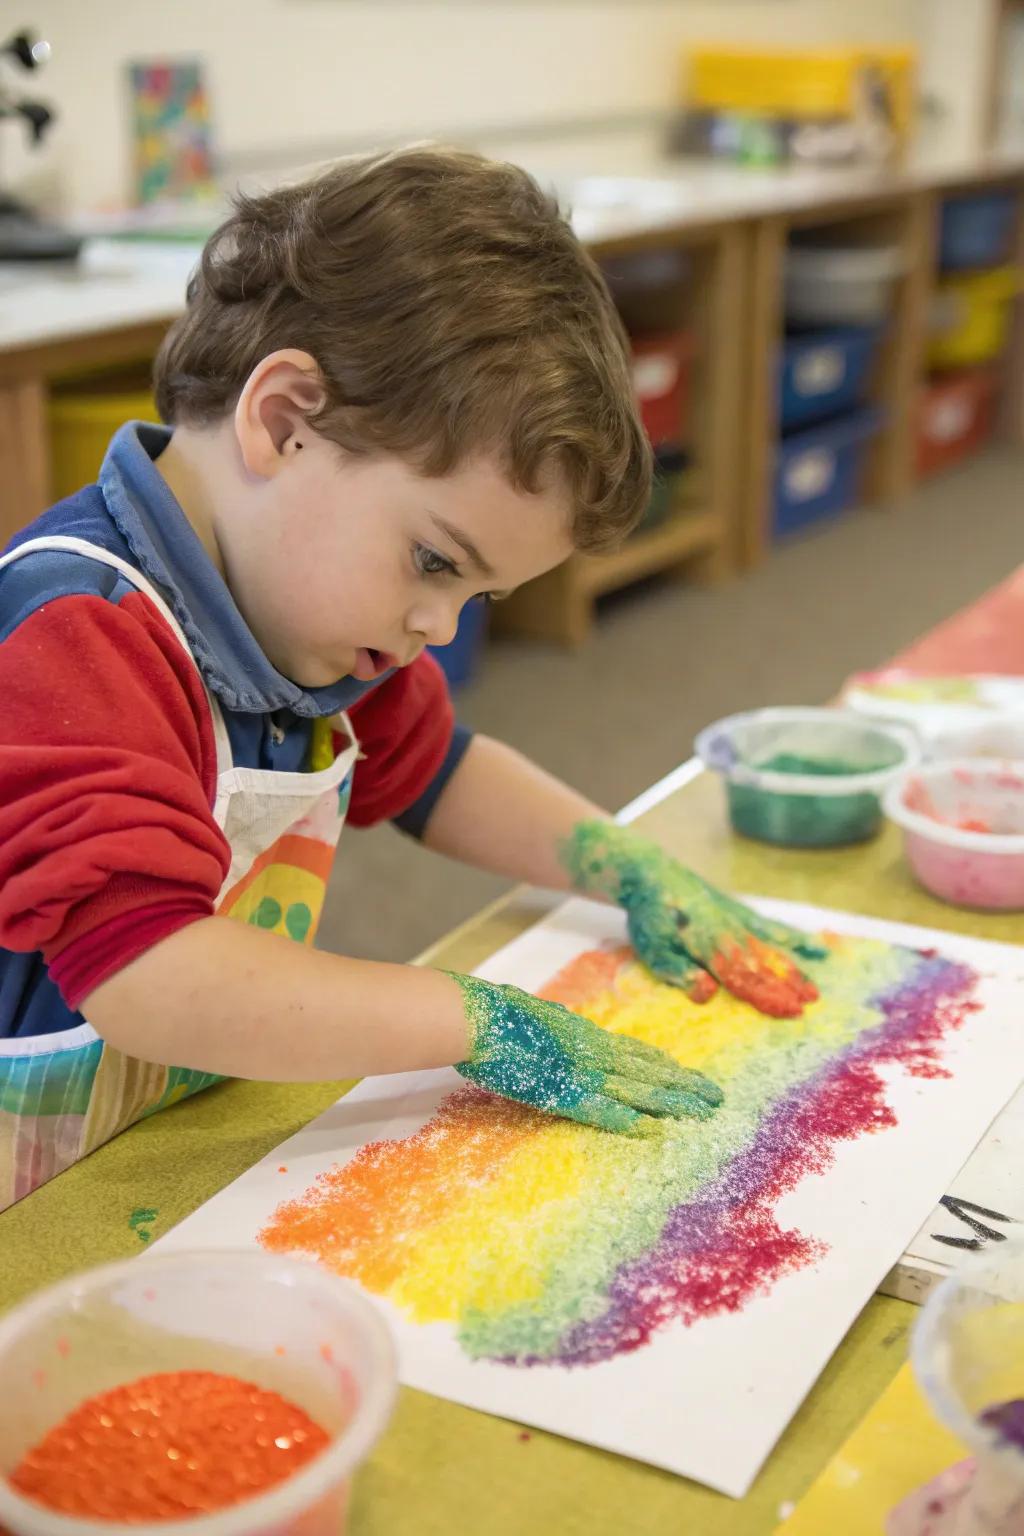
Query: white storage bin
[841,284]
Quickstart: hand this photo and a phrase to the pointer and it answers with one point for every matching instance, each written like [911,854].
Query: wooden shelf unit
[908,219]
[26,374]
[700,539]
[559,606]
[682,536]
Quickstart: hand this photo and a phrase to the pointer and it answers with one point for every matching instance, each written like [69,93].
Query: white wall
[295,79]
[958,42]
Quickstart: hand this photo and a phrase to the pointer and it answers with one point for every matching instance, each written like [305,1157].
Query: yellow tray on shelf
[796,83]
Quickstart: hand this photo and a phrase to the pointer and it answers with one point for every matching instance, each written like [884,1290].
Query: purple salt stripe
[779,1147]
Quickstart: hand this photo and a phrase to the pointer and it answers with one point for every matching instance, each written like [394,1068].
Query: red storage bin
[662,368]
[956,417]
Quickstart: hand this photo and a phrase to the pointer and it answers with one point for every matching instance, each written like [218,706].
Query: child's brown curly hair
[451,311]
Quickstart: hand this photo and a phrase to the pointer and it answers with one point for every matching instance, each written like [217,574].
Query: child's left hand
[687,932]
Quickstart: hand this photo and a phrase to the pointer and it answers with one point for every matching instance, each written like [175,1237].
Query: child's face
[347,565]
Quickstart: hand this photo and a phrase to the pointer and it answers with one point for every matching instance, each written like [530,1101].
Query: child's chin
[306,673]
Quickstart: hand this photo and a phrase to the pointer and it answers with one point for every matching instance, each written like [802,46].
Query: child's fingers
[650,1065]
[784,937]
[652,1100]
[629,1057]
[698,984]
[607,1114]
[781,935]
[766,978]
[705,1087]
[674,965]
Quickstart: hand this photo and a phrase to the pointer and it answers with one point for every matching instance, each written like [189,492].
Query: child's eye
[429,563]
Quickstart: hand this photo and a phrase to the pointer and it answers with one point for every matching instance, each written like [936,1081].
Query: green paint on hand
[540,1053]
[686,932]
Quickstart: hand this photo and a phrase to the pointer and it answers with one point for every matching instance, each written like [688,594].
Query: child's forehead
[484,490]
[480,485]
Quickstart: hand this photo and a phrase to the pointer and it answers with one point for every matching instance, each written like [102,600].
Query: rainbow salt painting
[672,1298]
[549,1243]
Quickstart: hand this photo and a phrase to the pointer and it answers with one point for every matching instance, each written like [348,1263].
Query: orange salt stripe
[358,1217]
[586,977]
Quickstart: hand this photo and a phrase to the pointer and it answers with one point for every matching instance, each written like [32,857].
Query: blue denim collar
[171,555]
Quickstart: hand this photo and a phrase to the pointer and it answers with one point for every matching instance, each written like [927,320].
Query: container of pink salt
[963,826]
[192,1394]
[968,1356]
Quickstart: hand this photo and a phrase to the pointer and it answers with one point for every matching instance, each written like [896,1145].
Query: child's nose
[445,628]
[437,624]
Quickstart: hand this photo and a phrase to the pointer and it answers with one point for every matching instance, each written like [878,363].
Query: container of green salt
[806,778]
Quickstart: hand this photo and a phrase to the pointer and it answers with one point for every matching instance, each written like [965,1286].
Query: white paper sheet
[708,1400]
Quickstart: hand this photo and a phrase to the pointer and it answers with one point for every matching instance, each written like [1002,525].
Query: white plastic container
[968,1356]
[1000,739]
[986,712]
[283,1324]
[841,284]
[806,778]
[963,825]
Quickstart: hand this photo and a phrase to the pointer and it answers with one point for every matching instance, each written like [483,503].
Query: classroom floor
[665,659]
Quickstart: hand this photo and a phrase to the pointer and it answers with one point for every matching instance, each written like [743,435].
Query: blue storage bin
[819,472]
[977,231]
[460,659]
[822,373]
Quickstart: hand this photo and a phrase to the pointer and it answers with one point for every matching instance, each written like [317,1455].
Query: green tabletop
[441,1468]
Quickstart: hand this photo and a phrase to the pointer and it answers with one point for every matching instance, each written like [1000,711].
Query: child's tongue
[368,665]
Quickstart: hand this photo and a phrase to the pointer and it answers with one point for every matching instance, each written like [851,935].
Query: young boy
[397,388]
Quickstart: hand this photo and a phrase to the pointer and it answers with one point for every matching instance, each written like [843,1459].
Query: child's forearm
[501,812]
[218,996]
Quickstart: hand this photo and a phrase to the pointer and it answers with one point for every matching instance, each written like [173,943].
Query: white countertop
[108,288]
[117,284]
[659,192]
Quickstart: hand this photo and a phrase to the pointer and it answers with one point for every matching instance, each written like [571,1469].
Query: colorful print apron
[62,1095]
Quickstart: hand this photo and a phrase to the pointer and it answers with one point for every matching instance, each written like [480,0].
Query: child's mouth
[369,664]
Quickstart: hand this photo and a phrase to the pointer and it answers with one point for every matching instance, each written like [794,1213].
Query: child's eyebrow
[466,544]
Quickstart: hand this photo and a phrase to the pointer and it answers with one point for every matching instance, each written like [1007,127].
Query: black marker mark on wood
[983,1233]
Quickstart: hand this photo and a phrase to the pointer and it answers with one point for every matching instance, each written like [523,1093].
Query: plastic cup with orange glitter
[213,1394]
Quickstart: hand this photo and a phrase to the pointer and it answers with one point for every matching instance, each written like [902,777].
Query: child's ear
[272,413]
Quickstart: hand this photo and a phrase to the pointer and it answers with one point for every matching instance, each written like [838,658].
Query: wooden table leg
[24,455]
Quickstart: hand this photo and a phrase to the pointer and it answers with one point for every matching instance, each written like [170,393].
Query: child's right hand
[542,1054]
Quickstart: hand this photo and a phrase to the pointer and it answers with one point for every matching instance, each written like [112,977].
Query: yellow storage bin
[797,83]
[971,315]
[84,415]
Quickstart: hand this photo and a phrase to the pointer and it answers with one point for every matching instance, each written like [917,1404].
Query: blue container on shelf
[822,373]
[977,231]
[459,660]
[820,472]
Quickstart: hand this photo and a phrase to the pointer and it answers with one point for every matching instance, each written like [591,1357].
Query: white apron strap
[71,545]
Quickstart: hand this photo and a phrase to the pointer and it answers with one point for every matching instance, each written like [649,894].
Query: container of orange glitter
[213,1394]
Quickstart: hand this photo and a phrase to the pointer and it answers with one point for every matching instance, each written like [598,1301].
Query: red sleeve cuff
[86,962]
